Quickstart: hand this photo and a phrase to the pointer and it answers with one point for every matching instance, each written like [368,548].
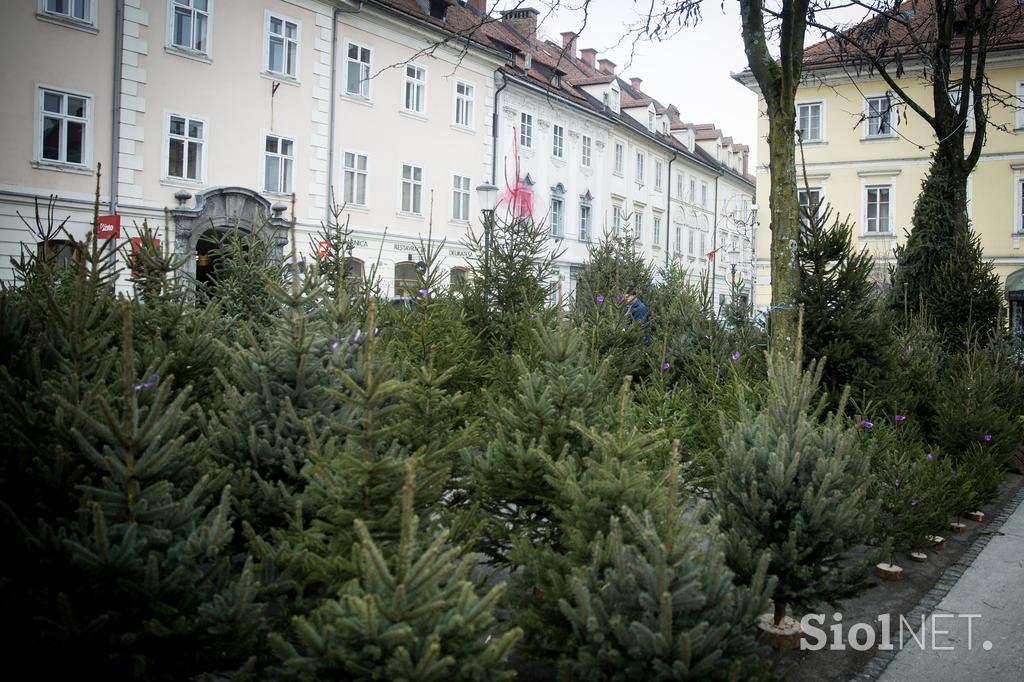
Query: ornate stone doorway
[221,210]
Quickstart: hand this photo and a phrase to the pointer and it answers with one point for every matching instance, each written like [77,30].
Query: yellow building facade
[866,155]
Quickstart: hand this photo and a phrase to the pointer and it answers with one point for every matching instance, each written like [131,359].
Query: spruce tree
[411,613]
[792,482]
[657,602]
[276,404]
[941,268]
[588,489]
[841,318]
[509,478]
[141,582]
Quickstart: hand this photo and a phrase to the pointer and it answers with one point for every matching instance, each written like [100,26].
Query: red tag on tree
[324,246]
[109,227]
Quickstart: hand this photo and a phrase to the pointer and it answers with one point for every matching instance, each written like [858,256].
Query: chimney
[588,55]
[479,5]
[569,44]
[636,82]
[607,66]
[746,161]
[523,20]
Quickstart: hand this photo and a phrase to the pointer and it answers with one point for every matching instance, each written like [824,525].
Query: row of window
[558,147]
[877,205]
[881,113]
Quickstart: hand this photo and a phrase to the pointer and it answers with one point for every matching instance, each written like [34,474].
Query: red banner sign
[109,227]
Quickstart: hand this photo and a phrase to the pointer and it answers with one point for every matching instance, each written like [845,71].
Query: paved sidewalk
[980,623]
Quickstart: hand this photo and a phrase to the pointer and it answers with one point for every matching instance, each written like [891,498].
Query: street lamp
[487,196]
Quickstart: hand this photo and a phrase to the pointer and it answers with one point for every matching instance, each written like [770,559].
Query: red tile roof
[909,33]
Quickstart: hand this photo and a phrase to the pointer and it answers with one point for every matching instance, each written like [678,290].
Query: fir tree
[141,582]
[509,479]
[793,482]
[276,399]
[587,490]
[657,602]
[841,320]
[940,269]
[411,613]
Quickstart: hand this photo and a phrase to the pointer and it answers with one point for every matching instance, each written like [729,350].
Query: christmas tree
[587,491]
[509,480]
[841,320]
[658,602]
[792,482]
[410,613]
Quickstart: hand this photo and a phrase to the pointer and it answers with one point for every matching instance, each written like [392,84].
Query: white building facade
[223,113]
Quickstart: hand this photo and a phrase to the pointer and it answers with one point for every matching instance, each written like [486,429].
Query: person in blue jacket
[636,312]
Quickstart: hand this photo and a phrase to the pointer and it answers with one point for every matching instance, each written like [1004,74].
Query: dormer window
[438,8]
[650,120]
[556,80]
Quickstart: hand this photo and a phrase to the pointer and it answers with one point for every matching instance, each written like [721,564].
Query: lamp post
[487,196]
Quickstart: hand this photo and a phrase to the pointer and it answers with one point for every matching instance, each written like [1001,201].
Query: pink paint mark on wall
[518,195]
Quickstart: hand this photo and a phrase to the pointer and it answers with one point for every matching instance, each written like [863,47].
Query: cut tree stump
[976,516]
[889,572]
[784,636]
[919,556]
[938,540]
[957,527]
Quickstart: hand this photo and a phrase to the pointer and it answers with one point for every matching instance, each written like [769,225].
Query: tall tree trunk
[785,217]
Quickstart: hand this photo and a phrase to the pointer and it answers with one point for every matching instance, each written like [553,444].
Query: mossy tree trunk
[778,80]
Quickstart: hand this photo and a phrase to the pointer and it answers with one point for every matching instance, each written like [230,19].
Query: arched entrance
[217,211]
[1015,302]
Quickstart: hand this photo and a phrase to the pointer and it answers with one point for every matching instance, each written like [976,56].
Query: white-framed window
[879,116]
[526,129]
[412,189]
[278,161]
[557,216]
[64,131]
[704,194]
[954,101]
[282,46]
[693,189]
[585,221]
[656,231]
[357,70]
[356,177]
[679,238]
[650,120]
[76,11]
[557,141]
[700,240]
[690,236]
[465,100]
[616,219]
[657,175]
[586,151]
[190,25]
[878,209]
[679,186]
[1020,105]
[618,158]
[415,89]
[640,161]
[809,121]
[810,203]
[186,147]
[460,198]
[1019,227]
[638,225]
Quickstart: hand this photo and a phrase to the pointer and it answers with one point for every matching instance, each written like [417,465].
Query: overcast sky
[691,70]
